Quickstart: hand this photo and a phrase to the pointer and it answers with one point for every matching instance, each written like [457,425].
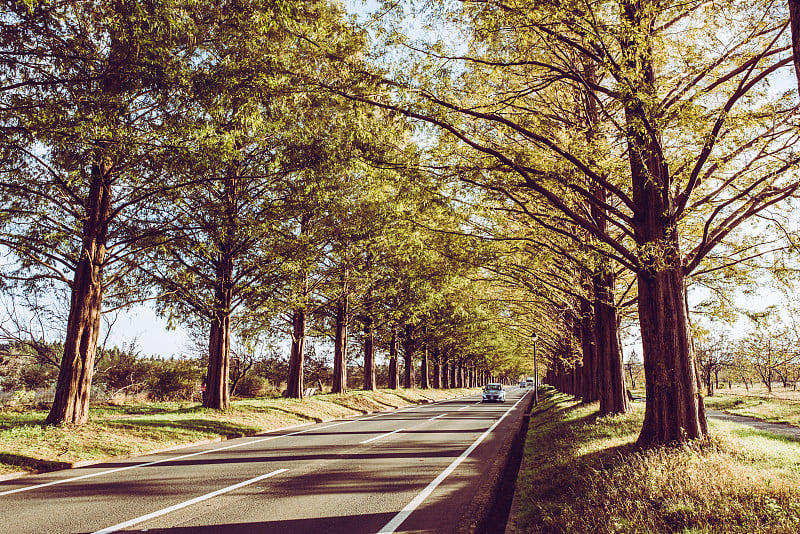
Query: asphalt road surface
[412,470]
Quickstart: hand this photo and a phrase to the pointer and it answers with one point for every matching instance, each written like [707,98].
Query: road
[412,470]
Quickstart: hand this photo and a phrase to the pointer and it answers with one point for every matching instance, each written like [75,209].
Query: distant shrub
[174,381]
[252,386]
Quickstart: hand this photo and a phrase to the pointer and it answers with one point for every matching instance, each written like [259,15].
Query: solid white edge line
[164,460]
[403,514]
[381,436]
[164,511]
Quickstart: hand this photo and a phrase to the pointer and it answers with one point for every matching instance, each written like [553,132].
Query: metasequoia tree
[84,114]
[706,145]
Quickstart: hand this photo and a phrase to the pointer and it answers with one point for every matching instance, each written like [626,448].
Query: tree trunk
[613,398]
[394,375]
[219,345]
[408,358]
[590,392]
[369,345]
[423,369]
[794,23]
[437,369]
[340,344]
[294,383]
[71,401]
[674,409]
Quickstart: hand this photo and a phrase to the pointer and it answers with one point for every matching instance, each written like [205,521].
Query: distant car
[522,383]
[494,393]
[530,381]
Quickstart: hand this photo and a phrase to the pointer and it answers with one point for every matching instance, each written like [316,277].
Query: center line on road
[382,436]
[403,514]
[437,417]
[158,513]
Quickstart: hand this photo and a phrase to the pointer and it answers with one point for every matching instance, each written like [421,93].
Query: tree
[84,117]
[702,156]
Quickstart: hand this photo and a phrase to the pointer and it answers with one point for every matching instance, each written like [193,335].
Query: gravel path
[776,428]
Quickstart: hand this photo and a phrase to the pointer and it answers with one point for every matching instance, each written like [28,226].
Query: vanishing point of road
[414,470]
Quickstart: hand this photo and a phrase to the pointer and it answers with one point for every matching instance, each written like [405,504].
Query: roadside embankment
[584,474]
[27,445]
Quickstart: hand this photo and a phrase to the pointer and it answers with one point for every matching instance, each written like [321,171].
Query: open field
[782,405]
[584,474]
[131,429]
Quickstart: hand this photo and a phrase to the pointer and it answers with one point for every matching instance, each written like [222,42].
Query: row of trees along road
[172,150]
[651,130]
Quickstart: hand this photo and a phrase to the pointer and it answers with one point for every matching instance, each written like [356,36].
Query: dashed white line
[403,514]
[164,511]
[437,417]
[164,460]
[381,436]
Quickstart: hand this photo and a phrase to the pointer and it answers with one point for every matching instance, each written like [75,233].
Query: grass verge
[27,444]
[766,408]
[583,474]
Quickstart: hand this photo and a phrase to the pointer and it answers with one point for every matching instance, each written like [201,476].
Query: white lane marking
[164,511]
[381,436]
[437,417]
[146,464]
[465,407]
[163,460]
[403,514]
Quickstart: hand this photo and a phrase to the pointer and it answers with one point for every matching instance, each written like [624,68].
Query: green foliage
[175,380]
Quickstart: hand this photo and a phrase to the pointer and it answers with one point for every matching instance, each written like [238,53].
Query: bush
[174,381]
[252,386]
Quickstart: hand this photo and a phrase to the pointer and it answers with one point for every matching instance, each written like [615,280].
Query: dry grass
[782,405]
[583,474]
[131,429]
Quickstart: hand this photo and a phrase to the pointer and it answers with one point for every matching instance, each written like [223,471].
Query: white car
[493,392]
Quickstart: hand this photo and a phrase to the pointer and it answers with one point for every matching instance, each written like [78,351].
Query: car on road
[494,392]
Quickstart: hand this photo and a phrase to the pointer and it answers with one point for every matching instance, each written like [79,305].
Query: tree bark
[437,369]
[394,375]
[219,345]
[423,369]
[73,389]
[794,23]
[369,342]
[294,383]
[408,358]
[590,390]
[613,398]
[674,407]
[340,344]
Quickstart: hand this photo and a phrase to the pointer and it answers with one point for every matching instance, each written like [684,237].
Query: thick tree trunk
[613,398]
[394,375]
[794,23]
[294,383]
[340,345]
[408,358]
[445,374]
[219,345]
[71,401]
[674,410]
[590,390]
